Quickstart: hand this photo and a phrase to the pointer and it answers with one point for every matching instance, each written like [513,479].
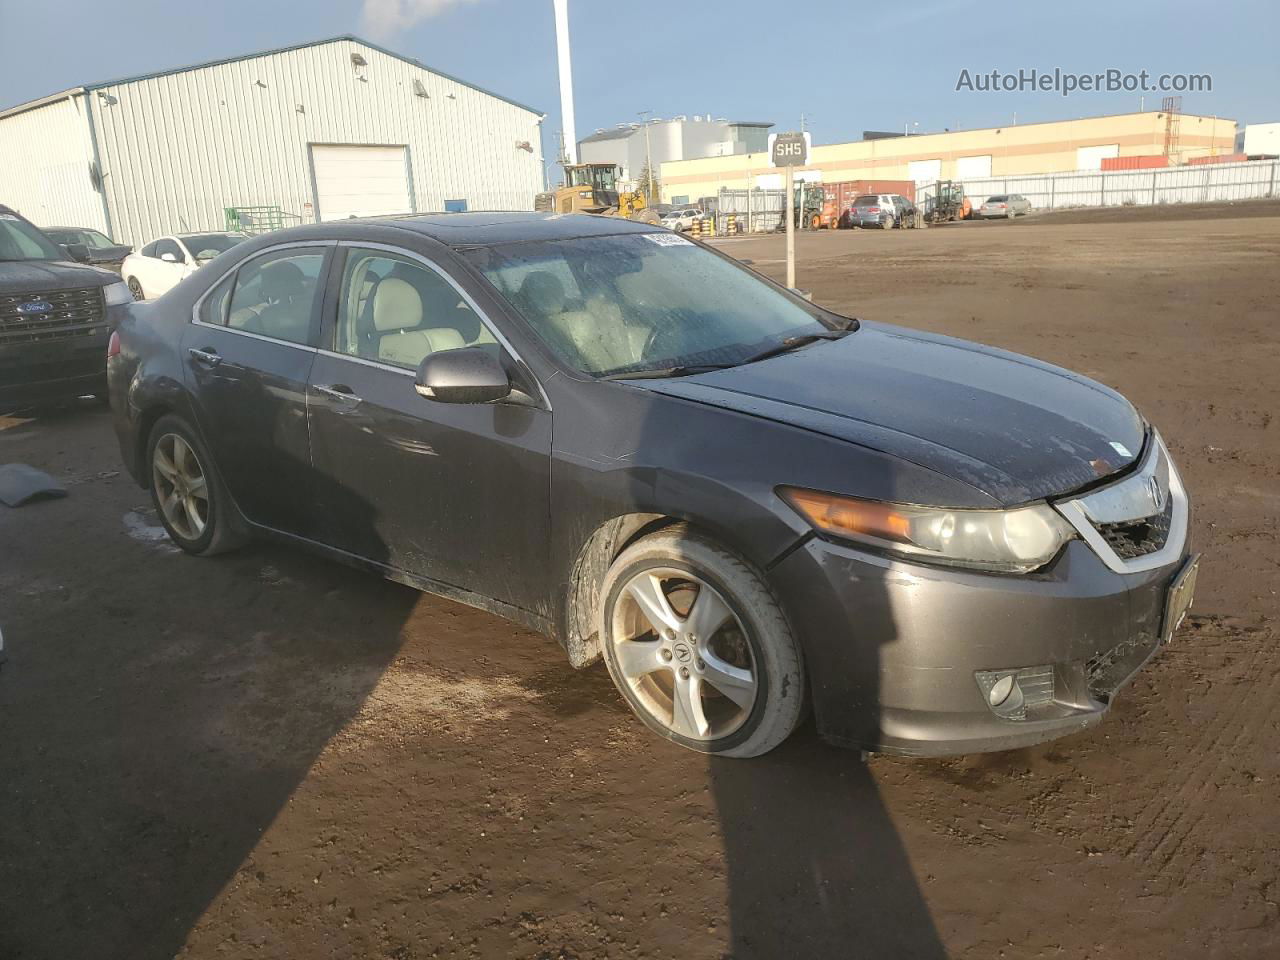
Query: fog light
[1000,692]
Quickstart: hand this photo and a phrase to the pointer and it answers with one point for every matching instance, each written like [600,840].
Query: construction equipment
[806,206]
[593,188]
[947,203]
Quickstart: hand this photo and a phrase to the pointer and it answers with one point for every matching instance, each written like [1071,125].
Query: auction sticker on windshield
[668,240]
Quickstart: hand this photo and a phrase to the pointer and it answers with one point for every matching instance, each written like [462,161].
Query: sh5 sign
[788,149]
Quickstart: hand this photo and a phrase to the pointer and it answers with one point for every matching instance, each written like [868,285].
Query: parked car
[162,264]
[55,317]
[102,251]
[884,210]
[741,501]
[681,219]
[1008,205]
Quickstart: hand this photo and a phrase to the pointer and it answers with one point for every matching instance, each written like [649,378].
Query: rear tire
[188,494]
[738,690]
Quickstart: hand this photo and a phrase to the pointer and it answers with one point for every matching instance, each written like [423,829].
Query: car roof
[479,229]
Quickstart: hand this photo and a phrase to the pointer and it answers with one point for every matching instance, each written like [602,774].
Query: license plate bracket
[1180,597]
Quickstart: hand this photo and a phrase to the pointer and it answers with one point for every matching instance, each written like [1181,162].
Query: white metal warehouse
[319,131]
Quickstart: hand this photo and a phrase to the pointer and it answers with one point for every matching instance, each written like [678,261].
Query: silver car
[1007,205]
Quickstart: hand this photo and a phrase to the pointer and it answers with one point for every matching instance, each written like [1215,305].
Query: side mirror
[168,258]
[78,252]
[464,375]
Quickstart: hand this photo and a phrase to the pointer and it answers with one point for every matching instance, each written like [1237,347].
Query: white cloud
[383,19]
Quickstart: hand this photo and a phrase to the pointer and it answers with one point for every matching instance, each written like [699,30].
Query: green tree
[648,185]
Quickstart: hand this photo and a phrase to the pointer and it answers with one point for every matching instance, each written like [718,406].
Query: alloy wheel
[182,488]
[136,289]
[684,654]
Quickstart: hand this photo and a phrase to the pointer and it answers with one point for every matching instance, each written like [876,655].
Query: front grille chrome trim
[1130,499]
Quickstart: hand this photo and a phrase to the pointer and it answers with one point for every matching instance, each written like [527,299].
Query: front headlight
[117,293]
[1017,540]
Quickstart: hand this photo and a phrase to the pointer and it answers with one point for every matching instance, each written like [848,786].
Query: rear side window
[214,308]
[276,296]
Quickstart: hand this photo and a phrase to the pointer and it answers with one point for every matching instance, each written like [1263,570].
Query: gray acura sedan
[743,503]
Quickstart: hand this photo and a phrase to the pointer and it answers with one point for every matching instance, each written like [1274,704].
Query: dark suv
[55,317]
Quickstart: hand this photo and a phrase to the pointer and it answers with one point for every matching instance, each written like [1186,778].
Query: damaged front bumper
[929,661]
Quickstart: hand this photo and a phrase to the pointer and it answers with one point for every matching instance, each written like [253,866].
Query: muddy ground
[270,755]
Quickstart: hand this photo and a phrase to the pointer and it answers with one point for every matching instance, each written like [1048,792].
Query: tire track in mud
[1161,832]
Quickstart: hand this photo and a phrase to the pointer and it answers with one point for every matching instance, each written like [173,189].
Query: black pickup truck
[55,317]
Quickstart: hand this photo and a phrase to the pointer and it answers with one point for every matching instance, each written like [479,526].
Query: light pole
[566,81]
[648,157]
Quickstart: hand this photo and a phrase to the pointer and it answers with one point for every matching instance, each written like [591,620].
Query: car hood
[40,276]
[1013,427]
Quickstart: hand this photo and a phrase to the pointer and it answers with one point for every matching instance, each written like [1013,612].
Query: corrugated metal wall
[179,148]
[1200,183]
[45,163]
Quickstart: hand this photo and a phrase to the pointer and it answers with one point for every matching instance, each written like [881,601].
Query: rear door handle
[338,391]
[209,356]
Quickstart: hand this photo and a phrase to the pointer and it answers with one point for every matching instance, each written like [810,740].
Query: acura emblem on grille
[1157,495]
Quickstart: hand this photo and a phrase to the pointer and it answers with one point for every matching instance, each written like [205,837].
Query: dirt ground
[270,755]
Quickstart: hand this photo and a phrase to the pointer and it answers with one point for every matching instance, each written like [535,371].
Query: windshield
[90,238]
[19,240]
[867,202]
[206,246]
[642,301]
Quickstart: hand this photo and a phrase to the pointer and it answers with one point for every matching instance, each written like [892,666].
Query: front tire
[136,289]
[698,646]
[189,497]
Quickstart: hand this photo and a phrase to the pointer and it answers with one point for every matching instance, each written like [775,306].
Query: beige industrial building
[1055,147]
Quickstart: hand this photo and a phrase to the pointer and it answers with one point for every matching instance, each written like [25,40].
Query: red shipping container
[839,196]
[1144,162]
[1220,158]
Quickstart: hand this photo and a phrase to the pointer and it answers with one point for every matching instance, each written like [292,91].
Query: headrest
[396,306]
[281,281]
[543,292]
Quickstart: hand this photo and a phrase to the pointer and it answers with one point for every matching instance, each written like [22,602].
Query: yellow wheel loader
[593,188]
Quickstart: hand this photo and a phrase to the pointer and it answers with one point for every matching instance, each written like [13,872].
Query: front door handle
[208,356]
[338,391]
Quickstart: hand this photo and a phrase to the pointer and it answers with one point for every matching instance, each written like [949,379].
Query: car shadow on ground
[815,866]
[153,725]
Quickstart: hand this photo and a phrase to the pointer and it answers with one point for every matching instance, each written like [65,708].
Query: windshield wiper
[794,343]
[663,372]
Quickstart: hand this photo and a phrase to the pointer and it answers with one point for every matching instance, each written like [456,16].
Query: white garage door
[360,181]
[973,168]
[925,171]
[1090,158]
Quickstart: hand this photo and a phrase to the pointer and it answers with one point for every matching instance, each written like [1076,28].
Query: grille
[71,313]
[1137,538]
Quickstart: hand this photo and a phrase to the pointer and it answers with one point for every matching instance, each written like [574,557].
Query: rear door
[454,493]
[247,355]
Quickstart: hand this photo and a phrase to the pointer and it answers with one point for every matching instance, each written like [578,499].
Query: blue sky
[848,66]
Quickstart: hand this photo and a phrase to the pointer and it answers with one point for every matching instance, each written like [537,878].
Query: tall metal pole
[566,81]
[791,227]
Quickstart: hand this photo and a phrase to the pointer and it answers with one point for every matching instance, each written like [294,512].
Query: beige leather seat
[601,336]
[397,312]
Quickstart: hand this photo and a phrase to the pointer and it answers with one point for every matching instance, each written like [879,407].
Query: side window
[276,295]
[214,308]
[168,246]
[150,249]
[395,310]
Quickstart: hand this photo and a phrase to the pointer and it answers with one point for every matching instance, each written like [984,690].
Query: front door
[455,493]
[247,358]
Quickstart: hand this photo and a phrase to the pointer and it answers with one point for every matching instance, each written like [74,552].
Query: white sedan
[160,265]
